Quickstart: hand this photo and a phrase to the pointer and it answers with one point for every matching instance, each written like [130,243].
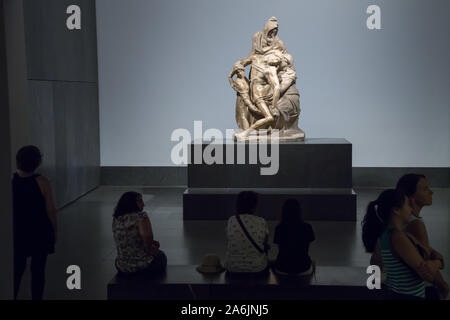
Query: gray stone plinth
[335,204]
[313,163]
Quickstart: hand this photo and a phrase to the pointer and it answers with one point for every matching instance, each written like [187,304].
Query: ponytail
[378,215]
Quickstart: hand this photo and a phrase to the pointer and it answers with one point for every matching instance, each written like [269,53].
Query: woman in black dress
[293,237]
[34,220]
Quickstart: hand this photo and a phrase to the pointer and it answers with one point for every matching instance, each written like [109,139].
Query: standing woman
[137,251]
[34,220]
[406,262]
[417,188]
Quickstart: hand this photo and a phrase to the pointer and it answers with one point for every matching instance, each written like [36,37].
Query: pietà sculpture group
[269,99]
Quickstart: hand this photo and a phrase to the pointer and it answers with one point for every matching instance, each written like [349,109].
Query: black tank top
[33,231]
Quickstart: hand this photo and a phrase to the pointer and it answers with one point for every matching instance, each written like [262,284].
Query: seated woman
[247,236]
[405,261]
[293,237]
[137,251]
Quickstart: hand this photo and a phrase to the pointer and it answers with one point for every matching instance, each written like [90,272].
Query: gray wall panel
[42,126]
[61,163]
[6,245]
[17,88]
[78,155]
[65,127]
[53,91]
[53,51]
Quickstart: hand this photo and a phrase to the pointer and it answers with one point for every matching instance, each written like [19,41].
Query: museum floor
[85,237]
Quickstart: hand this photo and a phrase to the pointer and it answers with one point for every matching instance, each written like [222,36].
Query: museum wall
[164,64]
[54,91]
[6,269]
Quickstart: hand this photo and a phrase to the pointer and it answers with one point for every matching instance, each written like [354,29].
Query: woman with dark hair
[293,237]
[247,236]
[34,220]
[417,188]
[137,251]
[405,260]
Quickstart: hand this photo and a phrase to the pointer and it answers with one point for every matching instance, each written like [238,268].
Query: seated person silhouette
[137,251]
[247,236]
[293,237]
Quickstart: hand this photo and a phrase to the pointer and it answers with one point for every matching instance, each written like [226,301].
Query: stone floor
[85,237]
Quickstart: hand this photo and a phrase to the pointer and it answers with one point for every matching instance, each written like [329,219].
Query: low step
[318,204]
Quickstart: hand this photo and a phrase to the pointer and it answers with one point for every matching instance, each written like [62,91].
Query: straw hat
[210,264]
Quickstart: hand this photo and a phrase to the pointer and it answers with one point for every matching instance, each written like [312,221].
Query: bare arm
[146,233]
[427,270]
[435,255]
[240,65]
[418,230]
[230,79]
[246,61]
[46,189]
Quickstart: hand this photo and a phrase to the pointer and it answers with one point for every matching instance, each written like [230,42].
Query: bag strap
[238,218]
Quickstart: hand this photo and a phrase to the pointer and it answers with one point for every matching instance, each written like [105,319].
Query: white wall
[164,64]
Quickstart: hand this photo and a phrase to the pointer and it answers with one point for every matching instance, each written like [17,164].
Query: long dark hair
[291,213]
[408,183]
[378,215]
[127,204]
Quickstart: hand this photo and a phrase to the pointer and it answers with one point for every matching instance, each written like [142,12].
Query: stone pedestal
[317,172]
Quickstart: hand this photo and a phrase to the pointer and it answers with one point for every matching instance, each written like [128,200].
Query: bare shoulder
[416,225]
[144,219]
[43,180]
[417,229]
[44,184]
[145,226]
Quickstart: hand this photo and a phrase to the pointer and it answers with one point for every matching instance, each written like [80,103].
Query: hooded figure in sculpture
[275,100]
[267,39]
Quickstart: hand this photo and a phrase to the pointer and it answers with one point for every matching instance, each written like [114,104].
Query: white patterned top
[241,255]
[131,253]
